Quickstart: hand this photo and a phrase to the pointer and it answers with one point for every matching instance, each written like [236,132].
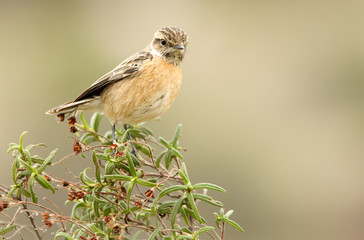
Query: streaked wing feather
[124,70]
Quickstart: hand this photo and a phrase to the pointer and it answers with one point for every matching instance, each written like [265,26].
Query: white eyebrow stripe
[154,52]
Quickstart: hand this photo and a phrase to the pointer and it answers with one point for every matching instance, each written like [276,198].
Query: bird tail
[71,108]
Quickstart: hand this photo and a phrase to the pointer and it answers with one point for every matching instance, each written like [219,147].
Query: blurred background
[272,101]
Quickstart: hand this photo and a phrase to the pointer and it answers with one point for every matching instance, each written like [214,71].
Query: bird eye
[163,42]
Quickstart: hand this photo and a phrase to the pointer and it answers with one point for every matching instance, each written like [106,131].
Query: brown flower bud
[48,223]
[77,148]
[4,204]
[72,121]
[80,195]
[61,117]
[65,184]
[45,216]
[149,193]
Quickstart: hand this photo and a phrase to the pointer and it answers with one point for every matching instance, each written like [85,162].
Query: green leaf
[232,223]
[28,157]
[119,177]
[135,160]
[47,161]
[63,234]
[209,186]
[176,135]
[26,165]
[44,183]
[145,182]
[181,237]
[21,140]
[176,153]
[109,168]
[172,189]
[165,208]
[78,205]
[97,230]
[159,158]
[186,230]
[12,190]
[14,147]
[131,165]
[144,150]
[207,199]
[184,177]
[192,203]
[154,233]
[7,229]
[164,142]
[86,136]
[228,214]
[31,184]
[129,191]
[203,229]
[31,146]
[95,121]
[184,216]
[97,167]
[146,131]
[95,206]
[184,170]
[24,191]
[192,214]
[13,172]
[85,179]
[168,159]
[84,122]
[176,210]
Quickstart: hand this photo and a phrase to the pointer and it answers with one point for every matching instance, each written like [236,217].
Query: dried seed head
[80,195]
[71,195]
[113,146]
[61,117]
[45,216]
[116,229]
[77,148]
[149,193]
[107,219]
[138,204]
[72,121]
[73,129]
[4,204]
[119,154]
[48,223]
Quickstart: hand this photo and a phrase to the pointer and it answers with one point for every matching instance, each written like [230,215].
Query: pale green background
[271,102]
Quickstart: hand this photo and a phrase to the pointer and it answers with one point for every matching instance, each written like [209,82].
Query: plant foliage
[121,197]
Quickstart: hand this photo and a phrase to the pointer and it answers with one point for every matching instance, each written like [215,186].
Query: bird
[139,89]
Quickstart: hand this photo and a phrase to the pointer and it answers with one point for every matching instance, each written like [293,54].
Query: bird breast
[144,96]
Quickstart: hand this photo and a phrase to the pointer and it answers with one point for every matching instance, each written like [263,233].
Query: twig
[31,219]
[223,231]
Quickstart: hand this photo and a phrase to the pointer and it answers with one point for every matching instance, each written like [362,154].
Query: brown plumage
[140,88]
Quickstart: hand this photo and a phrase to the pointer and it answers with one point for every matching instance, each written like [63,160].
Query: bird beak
[179,46]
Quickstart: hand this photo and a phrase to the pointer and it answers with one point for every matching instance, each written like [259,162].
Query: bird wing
[126,69]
